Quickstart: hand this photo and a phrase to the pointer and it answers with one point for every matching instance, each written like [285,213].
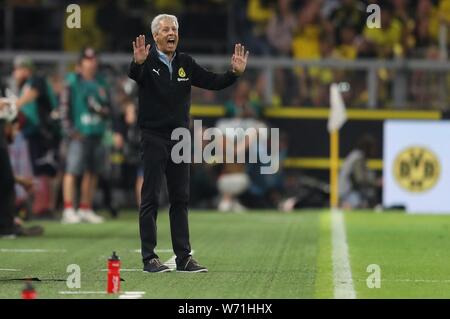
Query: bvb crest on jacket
[181,73]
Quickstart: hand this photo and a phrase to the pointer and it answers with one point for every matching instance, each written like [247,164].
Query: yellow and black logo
[181,73]
[416,169]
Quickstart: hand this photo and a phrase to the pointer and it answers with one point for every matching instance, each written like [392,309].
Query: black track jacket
[164,101]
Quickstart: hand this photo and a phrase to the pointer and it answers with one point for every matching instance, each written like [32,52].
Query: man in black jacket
[165,76]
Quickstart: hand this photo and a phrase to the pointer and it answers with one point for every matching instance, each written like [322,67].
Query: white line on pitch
[132,295]
[343,283]
[156,250]
[31,250]
[412,280]
[6,269]
[125,269]
[76,292]
[134,292]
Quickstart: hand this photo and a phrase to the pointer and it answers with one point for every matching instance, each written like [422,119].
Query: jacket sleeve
[205,79]
[136,72]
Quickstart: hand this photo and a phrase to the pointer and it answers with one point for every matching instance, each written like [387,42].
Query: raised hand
[140,50]
[239,59]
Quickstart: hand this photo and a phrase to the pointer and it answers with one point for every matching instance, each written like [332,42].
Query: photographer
[10,226]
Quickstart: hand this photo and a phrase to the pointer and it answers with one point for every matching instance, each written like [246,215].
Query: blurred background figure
[10,224]
[85,109]
[243,114]
[127,139]
[358,185]
[37,103]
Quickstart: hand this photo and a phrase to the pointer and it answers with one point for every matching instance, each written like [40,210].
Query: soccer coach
[164,77]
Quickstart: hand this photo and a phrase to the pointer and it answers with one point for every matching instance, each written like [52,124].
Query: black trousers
[155,152]
[7,192]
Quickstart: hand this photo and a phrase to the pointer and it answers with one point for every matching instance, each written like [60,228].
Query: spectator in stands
[307,36]
[84,109]
[259,13]
[402,13]
[426,29]
[350,14]
[346,47]
[281,28]
[309,41]
[386,42]
[359,185]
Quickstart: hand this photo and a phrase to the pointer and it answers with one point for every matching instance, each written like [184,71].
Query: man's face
[88,67]
[167,37]
[20,74]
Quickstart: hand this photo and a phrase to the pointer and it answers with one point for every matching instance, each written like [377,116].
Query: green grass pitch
[249,255]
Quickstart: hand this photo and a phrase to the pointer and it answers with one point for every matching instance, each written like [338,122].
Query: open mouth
[171,41]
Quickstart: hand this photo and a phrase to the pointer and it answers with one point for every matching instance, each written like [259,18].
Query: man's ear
[154,36]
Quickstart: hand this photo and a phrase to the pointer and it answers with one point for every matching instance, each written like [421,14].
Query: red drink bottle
[113,274]
[28,292]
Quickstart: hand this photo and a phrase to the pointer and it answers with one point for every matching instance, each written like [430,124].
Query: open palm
[239,59]
[140,50]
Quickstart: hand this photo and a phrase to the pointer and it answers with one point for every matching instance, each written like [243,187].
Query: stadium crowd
[300,29]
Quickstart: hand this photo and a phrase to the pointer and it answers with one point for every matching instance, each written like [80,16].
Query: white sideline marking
[132,295]
[156,250]
[343,283]
[125,295]
[7,250]
[413,280]
[76,292]
[126,269]
[6,269]
[134,292]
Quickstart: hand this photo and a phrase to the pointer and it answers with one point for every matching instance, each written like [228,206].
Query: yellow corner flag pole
[334,168]
[336,120]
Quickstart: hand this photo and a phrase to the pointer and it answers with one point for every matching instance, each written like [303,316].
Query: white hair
[159,18]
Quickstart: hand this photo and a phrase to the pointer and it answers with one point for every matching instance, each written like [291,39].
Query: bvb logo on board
[416,169]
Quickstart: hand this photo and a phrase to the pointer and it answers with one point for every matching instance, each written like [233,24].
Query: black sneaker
[21,231]
[191,266]
[32,231]
[154,265]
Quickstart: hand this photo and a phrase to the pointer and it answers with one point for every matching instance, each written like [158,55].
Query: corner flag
[338,115]
[336,119]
